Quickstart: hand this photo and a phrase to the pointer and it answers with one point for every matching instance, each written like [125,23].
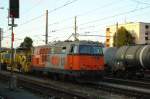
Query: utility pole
[46,28]
[0,43]
[0,38]
[13,79]
[12,40]
[75,29]
[116,34]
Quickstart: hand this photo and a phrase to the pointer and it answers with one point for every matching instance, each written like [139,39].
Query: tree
[27,43]
[123,37]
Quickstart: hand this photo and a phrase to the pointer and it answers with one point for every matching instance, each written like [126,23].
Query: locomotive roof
[74,42]
[66,43]
[41,46]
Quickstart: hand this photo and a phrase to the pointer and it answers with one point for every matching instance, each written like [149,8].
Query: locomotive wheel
[56,76]
[62,77]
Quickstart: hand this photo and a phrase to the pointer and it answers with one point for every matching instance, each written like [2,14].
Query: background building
[139,30]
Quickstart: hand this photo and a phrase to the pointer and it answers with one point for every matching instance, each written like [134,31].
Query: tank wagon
[128,60]
[109,57]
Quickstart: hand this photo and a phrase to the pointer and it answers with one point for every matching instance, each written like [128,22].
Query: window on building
[107,40]
[146,26]
[107,29]
[146,38]
[107,45]
[146,33]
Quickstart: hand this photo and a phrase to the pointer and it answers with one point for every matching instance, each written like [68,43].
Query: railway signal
[14,8]
[13,13]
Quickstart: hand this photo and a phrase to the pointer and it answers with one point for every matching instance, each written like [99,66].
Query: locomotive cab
[85,57]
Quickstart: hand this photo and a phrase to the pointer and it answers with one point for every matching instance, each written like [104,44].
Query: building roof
[129,23]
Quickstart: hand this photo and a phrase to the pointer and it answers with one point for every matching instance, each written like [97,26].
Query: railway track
[49,89]
[56,89]
[135,82]
[90,90]
[131,88]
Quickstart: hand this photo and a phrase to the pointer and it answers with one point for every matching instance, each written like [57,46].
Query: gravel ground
[6,93]
[21,93]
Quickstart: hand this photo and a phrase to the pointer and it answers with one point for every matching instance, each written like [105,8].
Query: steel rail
[52,88]
[126,87]
[134,82]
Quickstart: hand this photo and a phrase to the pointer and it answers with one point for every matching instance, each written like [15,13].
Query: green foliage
[123,37]
[27,43]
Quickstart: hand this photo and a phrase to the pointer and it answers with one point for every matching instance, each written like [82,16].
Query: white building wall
[137,29]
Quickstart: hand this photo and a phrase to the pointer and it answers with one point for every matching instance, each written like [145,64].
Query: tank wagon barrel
[134,56]
[109,54]
[128,58]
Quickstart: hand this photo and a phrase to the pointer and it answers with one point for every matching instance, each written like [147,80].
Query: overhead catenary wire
[95,35]
[57,22]
[102,19]
[55,9]
[42,15]
[119,14]
[140,2]
[30,9]
[81,14]
[69,27]
[87,12]
[97,20]
[99,8]
[85,27]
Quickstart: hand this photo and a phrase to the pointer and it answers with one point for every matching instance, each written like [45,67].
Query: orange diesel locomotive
[72,58]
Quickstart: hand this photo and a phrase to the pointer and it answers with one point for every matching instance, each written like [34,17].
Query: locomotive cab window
[84,49]
[74,49]
[90,49]
[63,50]
[97,50]
[52,51]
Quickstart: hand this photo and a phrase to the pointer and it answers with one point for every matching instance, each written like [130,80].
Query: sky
[92,18]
